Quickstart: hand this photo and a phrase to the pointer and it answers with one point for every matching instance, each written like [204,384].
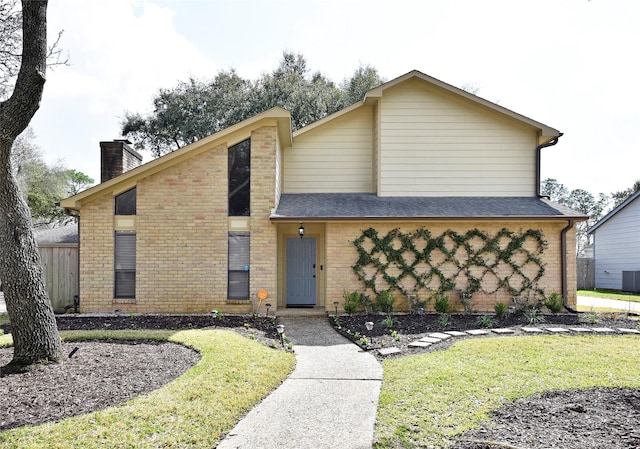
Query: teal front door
[301,272]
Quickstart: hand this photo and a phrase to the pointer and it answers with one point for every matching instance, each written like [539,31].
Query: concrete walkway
[329,401]
[588,303]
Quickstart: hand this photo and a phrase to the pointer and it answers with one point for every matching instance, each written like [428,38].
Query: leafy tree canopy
[195,109]
[43,185]
[581,201]
[619,197]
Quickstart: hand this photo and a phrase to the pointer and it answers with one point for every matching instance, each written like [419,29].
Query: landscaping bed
[405,328]
[101,374]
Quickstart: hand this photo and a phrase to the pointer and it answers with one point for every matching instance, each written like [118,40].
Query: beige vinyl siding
[435,144]
[336,157]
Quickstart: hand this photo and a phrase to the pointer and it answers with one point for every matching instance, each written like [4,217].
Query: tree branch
[17,111]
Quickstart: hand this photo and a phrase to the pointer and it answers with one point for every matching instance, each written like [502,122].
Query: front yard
[195,410]
[433,399]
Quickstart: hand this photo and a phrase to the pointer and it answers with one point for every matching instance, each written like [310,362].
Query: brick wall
[96,255]
[181,237]
[341,255]
[264,237]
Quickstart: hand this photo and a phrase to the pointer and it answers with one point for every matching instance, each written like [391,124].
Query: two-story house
[419,188]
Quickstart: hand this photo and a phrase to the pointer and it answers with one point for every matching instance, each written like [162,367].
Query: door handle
[314,265]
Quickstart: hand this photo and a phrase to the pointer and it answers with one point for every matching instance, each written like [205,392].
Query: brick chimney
[116,158]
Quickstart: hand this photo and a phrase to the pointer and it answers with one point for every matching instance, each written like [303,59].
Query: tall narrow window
[238,265]
[240,179]
[125,264]
[126,202]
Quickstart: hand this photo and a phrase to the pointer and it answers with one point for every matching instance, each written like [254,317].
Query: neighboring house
[438,188]
[617,247]
[58,248]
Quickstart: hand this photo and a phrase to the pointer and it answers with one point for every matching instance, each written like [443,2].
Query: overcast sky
[571,64]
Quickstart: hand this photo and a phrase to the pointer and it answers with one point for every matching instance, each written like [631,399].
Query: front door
[301,272]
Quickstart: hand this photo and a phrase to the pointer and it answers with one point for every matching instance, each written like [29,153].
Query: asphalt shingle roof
[369,205]
[62,234]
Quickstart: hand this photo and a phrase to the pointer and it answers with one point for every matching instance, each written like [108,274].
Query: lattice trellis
[470,262]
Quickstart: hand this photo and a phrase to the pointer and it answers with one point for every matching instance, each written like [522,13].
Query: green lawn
[428,398]
[193,411]
[610,294]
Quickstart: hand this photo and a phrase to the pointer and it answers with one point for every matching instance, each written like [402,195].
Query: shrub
[442,304]
[533,316]
[485,321]
[590,318]
[500,309]
[444,319]
[365,302]
[351,302]
[389,322]
[466,299]
[385,301]
[554,302]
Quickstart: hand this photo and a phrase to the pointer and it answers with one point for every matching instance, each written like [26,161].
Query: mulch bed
[412,327]
[102,374]
[600,418]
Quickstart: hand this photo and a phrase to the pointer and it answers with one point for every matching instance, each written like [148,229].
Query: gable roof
[347,206]
[231,135]
[611,214]
[546,133]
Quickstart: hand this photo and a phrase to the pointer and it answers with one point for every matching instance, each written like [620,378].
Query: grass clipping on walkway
[427,399]
[193,411]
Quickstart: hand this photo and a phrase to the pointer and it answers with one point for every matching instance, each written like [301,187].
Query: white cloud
[121,52]
[568,64]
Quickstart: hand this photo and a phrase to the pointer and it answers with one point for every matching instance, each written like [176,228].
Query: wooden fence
[586,274]
[60,263]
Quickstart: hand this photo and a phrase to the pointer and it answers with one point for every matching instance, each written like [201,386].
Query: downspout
[563,264]
[539,148]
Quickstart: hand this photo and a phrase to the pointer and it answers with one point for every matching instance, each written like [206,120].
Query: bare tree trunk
[33,325]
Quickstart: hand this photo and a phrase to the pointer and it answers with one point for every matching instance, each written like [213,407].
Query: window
[238,265]
[125,264]
[126,202]
[240,179]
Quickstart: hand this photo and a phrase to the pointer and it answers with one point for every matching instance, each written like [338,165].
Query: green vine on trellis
[471,262]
